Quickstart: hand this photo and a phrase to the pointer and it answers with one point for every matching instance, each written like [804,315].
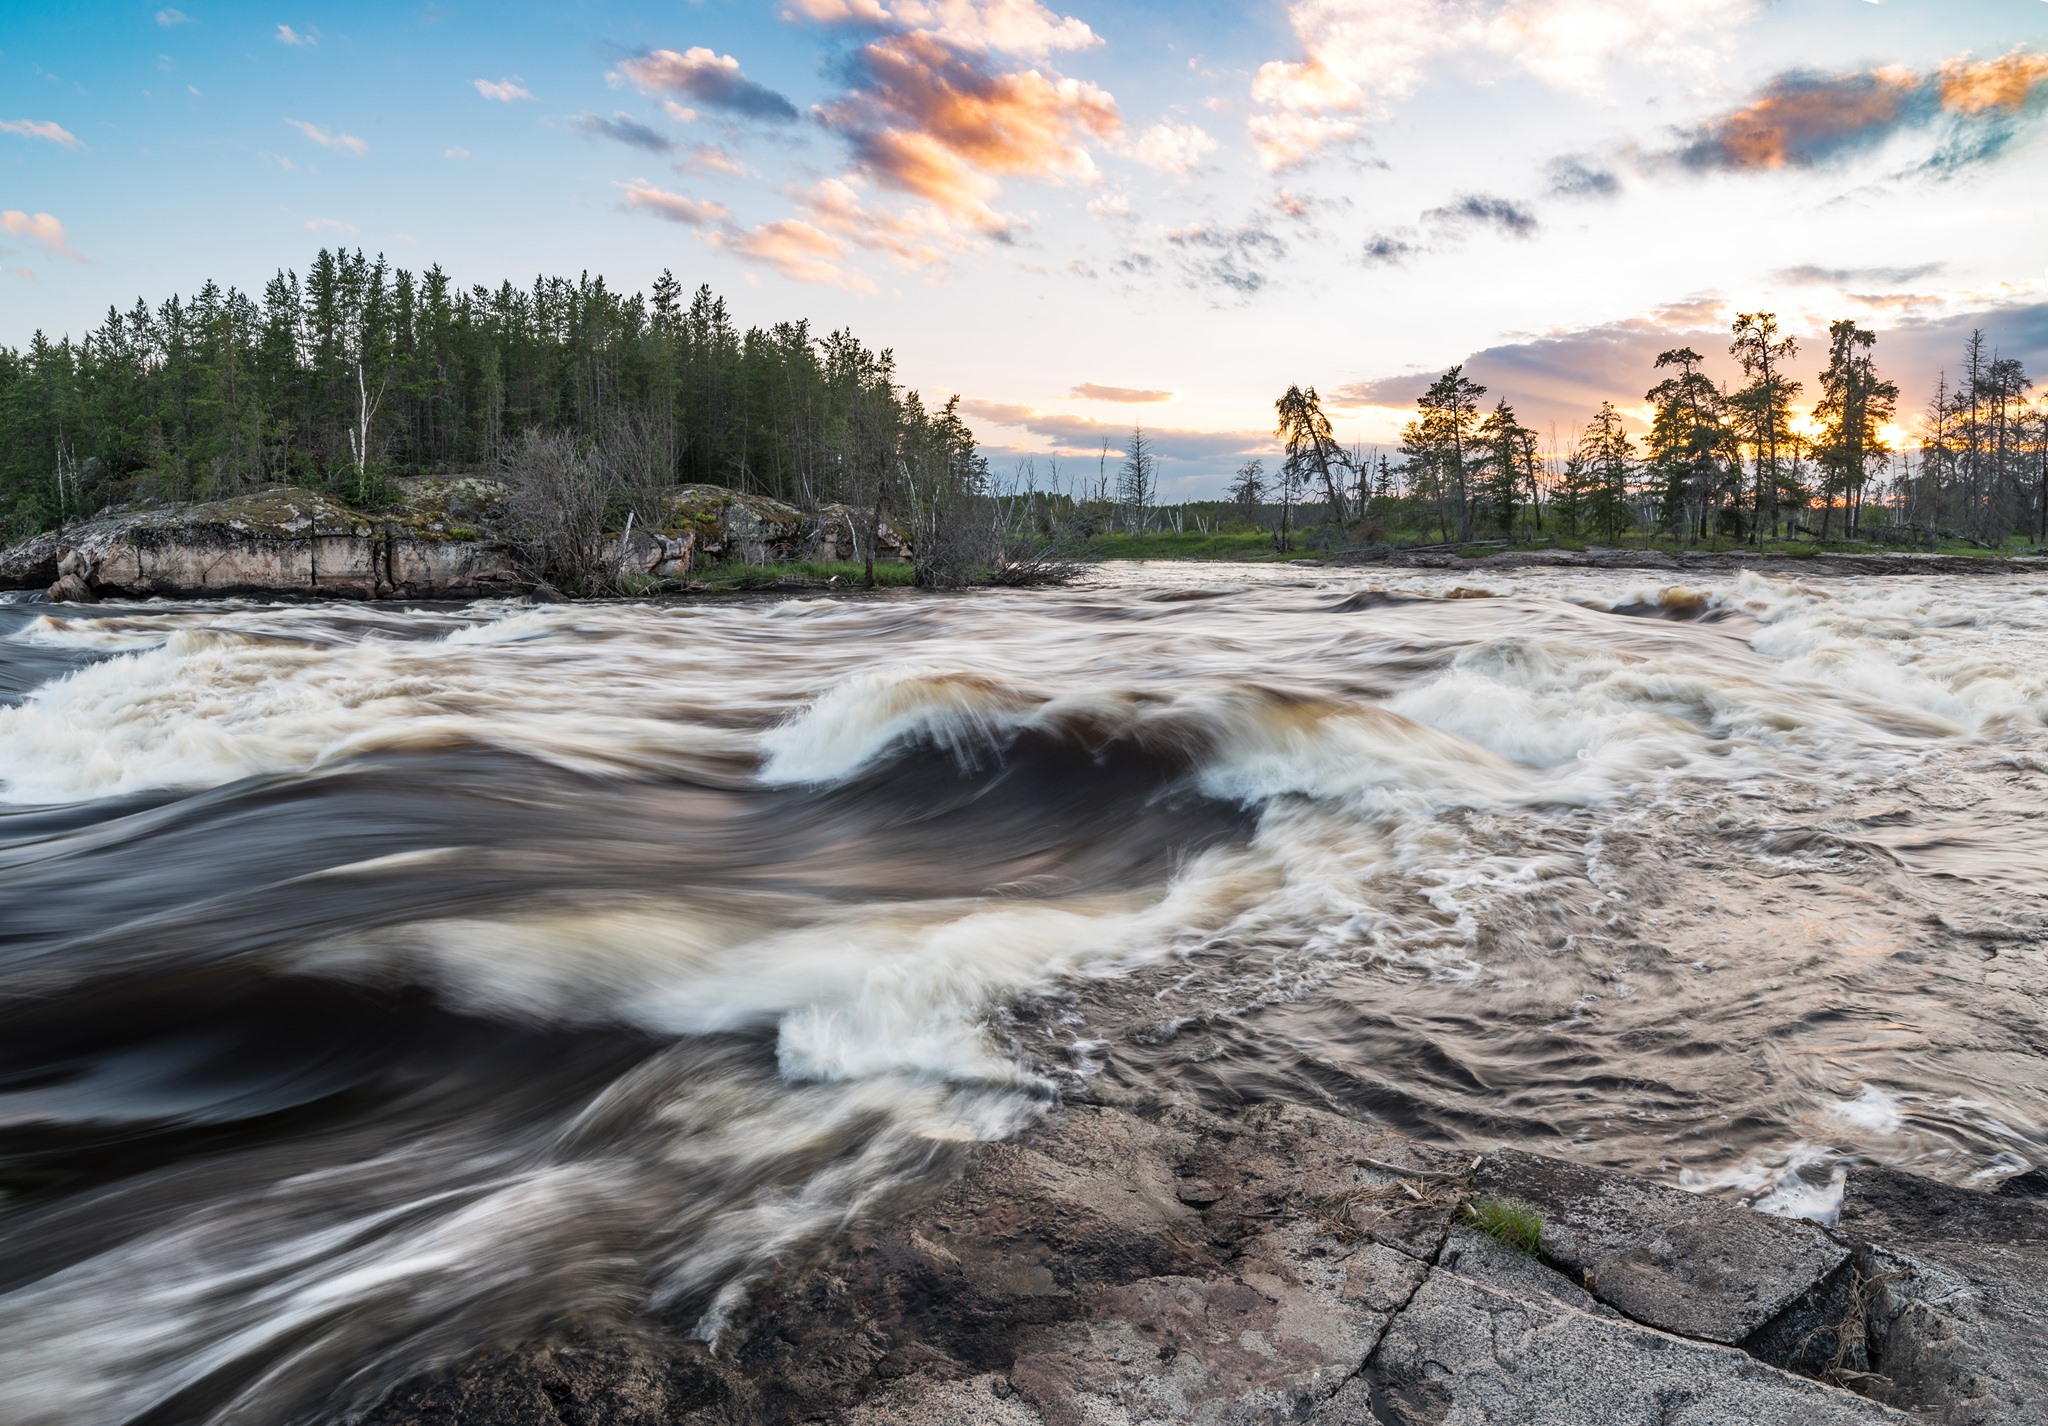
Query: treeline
[1719,462]
[359,372]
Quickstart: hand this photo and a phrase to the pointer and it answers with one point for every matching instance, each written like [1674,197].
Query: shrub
[1508,1221]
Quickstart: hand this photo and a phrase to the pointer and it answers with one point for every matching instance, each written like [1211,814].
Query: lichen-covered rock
[730,525]
[277,542]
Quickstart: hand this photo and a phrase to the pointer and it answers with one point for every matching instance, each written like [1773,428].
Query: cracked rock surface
[1271,1264]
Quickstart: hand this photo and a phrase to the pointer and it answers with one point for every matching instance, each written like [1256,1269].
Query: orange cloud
[1090,391]
[1802,119]
[929,120]
[796,249]
[913,239]
[41,229]
[2006,83]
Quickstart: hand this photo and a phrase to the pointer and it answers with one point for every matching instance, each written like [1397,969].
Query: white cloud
[457,152]
[168,17]
[504,91]
[1172,148]
[314,225]
[42,129]
[327,139]
[1361,56]
[286,35]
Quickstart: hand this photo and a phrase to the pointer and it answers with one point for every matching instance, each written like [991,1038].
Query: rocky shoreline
[1123,1264]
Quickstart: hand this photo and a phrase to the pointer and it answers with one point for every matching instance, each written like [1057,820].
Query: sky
[1081,216]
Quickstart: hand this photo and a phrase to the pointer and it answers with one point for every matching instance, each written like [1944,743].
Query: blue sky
[1077,216]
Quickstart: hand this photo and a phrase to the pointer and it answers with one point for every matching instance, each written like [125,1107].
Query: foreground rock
[1954,1292]
[1285,1265]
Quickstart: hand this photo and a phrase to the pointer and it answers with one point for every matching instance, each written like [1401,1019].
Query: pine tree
[1763,411]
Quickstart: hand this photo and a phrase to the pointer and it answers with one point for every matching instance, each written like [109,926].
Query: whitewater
[378,983]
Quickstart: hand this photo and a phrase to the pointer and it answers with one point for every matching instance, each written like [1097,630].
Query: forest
[360,372]
[1719,464]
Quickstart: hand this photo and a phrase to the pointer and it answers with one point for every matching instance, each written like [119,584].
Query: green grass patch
[1192,545]
[1508,1221]
[737,576]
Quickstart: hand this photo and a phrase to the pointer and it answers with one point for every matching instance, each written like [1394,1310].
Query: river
[376,983]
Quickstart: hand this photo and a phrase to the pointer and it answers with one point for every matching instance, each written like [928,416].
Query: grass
[1508,1221]
[1193,545]
[737,576]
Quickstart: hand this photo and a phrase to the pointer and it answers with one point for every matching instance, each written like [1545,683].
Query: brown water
[375,983]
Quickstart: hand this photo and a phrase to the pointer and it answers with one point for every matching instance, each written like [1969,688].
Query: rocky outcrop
[434,542]
[726,524]
[277,542]
[1282,1264]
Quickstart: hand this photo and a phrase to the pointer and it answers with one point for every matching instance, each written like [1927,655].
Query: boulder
[1480,1354]
[729,525]
[1953,1289]
[72,589]
[1683,1262]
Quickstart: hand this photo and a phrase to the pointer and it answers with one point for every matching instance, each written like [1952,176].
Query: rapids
[378,983]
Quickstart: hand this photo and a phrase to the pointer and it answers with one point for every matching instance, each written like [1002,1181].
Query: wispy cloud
[1224,261]
[1809,274]
[1084,435]
[503,91]
[456,151]
[327,139]
[286,35]
[1803,119]
[1483,210]
[713,80]
[314,225]
[1013,26]
[710,158]
[800,251]
[1445,228]
[625,129]
[41,229]
[645,197]
[44,129]
[168,17]
[1576,177]
[1139,396]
